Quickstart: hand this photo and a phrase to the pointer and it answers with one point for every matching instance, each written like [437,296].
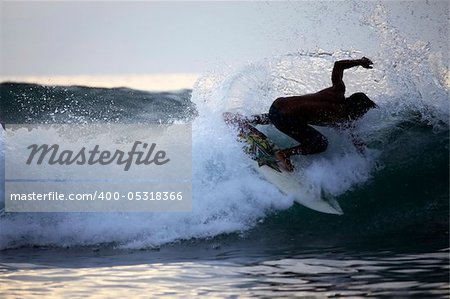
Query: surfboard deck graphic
[259,148]
[262,151]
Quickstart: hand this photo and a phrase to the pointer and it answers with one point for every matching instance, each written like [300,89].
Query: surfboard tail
[329,206]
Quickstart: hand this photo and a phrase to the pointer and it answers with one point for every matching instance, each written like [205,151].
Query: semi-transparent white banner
[98,167]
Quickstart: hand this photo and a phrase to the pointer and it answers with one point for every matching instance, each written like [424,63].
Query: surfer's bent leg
[311,141]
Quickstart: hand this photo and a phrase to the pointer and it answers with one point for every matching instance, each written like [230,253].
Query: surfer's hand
[366,63]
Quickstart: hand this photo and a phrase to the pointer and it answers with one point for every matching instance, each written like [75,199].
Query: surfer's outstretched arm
[236,118]
[246,123]
[341,65]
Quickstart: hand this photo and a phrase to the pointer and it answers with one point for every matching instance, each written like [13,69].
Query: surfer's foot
[284,161]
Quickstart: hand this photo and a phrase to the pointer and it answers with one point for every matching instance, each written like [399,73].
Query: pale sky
[124,37]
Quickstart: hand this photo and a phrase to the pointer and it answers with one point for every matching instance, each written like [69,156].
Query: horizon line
[147,82]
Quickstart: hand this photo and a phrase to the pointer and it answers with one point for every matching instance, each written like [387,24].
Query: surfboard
[262,153]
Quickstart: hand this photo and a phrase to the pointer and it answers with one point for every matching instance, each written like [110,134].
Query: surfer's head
[358,104]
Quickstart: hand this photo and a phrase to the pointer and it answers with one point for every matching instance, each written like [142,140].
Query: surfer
[294,115]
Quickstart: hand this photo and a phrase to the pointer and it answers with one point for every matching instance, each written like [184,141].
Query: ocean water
[243,237]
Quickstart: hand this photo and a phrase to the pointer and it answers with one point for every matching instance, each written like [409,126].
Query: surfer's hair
[359,104]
